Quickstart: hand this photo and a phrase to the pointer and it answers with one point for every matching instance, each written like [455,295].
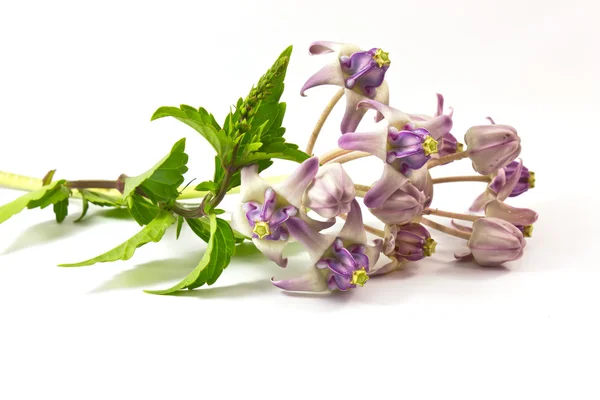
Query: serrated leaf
[30,200]
[161,182]
[153,232]
[61,210]
[141,209]
[203,122]
[84,210]
[179,226]
[208,186]
[220,248]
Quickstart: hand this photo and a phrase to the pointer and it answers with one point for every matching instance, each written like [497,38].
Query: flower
[361,73]
[265,211]
[526,179]
[394,199]
[411,242]
[331,193]
[399,140]
[340,262]
[492,147]
[449,145]
[522,218]
[504,184]
[494,242]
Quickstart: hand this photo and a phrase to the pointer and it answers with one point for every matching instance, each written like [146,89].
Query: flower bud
[522,218]
[492,147]
[410,148]
[525,181]
[331,193]
[495,241]
[410,242]
[402,206]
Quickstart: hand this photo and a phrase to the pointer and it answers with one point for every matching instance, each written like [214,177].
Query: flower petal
[511,182]
[252,186]
[374,142]
[294,186]
[514,215]
[390,267]
[312,281]
[354,228]
[239,222]
[273,249]
[353,115]
[463,255]
[390,181]
[383,97]
[324,47]
[316,243]
[481,200]
[394,117]
[437,127]
[330,74]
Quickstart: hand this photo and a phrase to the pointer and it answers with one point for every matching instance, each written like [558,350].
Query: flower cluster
[409,145]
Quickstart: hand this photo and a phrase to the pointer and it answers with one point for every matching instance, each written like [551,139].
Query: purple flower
[394,199]
[494,242]
[492,147]
[449,145]
[265,211]
[522,218]
[504,184]
[341,261]
[411,242]
[361,73]
[331,193]
[526,179]
[399,140]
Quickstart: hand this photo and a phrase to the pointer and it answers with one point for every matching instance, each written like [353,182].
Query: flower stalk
[324,115]
[446,229]
[474,178]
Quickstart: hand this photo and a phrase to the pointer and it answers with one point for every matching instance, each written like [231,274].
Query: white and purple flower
[510,181]
[340,262]
[361,73]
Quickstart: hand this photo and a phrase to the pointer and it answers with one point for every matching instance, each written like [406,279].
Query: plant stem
[445,229]
[355,155]
[447,214]
[92,184]
[474,178]
[449,158]
[327,157]
[315,134]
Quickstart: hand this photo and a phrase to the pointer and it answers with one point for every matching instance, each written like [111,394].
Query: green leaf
[141,209]
[33,199]
[47,179]
[208,186]
[153,232]
[100,199]
[179,226]
[86,206]
[220,248]
[203,122]
[61,210]
[161,182]
[201,227]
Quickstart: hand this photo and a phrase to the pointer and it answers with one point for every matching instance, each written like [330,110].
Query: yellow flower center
[261,229]
[359,277]
[528,231]
[381,58]
[531,179]
[429,247]
[430,146]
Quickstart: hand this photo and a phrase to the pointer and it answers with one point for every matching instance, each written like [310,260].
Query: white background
[78,84]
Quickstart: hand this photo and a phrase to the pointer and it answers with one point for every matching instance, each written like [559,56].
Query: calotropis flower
[492,147]
[331,193]
[341,261]
[265,211]
[505,183]
[361,73]
[405,143]
[410,242]
[493,242]
[394,199]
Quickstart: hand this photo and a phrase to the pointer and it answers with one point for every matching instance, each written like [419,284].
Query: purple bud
[402,206]
[331,193]
[410,148]
[526,179]
[495,241]
[365,70]
[449,145]
[492,147]
[410,242]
